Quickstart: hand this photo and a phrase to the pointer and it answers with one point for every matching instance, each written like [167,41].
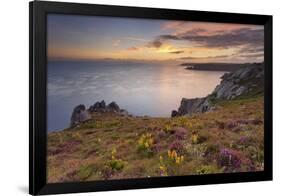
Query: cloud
[201,43]
[256,55]
[177,52]
[251,50]
[157,43]
[116,43]
[234,38]
[134,48]
[207,57]
[179,27]
[136,39]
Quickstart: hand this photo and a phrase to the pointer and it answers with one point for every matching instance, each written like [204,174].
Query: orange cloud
[208,28]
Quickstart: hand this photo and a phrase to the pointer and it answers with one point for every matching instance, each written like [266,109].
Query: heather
[228,139]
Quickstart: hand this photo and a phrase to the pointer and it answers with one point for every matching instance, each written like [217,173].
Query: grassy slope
[228,139]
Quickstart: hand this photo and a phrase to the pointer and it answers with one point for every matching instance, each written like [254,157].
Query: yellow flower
[182,158]
[194,138]
[113,151]
[174,154]
[162,168]
[169,153]
[178,160]
[160,158]
[146,144]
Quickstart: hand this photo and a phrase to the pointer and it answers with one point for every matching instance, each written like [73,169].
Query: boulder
[124,112]
[196,105]
[113,107]
[79,114]
[98,107]
[174,113]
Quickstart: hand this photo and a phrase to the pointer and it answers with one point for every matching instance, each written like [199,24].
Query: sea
[142,88]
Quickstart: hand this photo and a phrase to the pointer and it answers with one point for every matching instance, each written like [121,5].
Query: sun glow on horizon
[77,37]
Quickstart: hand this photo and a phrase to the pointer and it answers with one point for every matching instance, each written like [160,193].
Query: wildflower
[182,158]
[194,137]
[163,170]
[174,154]
[180,135]
[177,146]
[169,153]
[178,160]
[146,144]
[231,159]
[113,153]
[167,128]
[161,158]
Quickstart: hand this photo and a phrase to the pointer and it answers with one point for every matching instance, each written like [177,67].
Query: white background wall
[14,96]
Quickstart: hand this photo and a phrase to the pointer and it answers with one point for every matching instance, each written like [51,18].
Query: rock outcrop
[246,81]
[174,113]
[98,107]
[113,107]
[101,107]
[196,105]
[79,114]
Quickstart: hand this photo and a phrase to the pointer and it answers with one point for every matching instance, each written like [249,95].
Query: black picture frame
[38,11]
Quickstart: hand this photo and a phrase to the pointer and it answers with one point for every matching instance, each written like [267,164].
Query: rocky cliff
[247,81]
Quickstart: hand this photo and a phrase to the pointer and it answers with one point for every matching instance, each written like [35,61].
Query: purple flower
[180,135]
[231,159]
[177,146]
[157,148]
[162,134]
[243,140]
[232,124]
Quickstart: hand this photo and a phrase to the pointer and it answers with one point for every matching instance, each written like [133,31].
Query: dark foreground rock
[101,107]
[113,107]
[79,114]
[196,105]
[98,107]
[247,81]
[174,113]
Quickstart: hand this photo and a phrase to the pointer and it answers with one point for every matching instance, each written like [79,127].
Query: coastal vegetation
[228,139]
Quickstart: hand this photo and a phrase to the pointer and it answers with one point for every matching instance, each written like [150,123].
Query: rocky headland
[214,66]
[246,81]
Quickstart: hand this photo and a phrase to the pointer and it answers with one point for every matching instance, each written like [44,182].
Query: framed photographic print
[130,97]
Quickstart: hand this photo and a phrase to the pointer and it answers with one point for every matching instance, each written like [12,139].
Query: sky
[96,37]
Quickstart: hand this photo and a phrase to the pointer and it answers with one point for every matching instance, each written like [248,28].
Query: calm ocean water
[140,88]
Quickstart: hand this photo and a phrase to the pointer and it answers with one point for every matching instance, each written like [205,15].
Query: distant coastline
[214,66]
